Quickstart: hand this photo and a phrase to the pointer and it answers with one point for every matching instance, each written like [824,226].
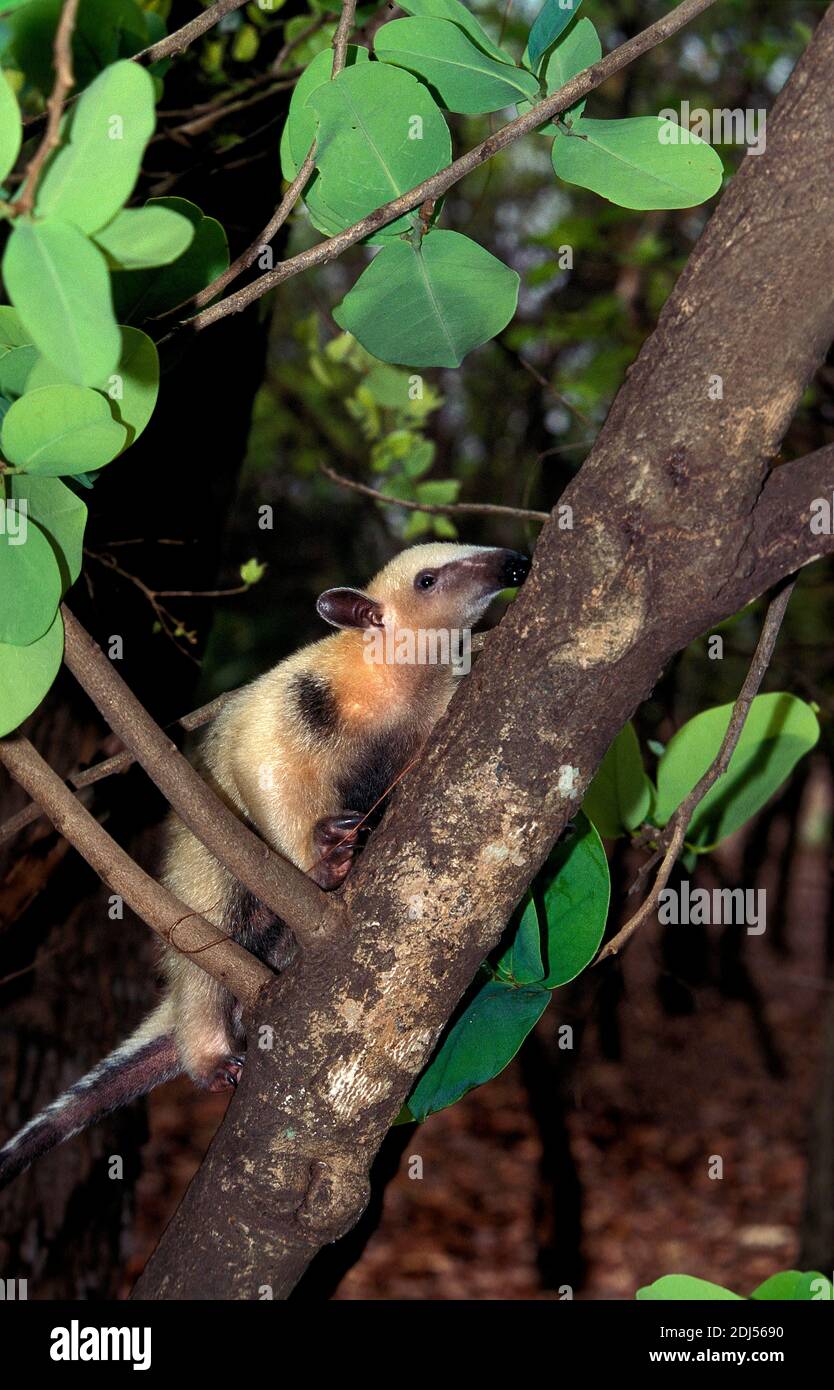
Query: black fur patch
[258,930]
[375,772]
[316,703]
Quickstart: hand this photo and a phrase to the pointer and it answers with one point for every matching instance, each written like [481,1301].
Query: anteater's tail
[146,1059]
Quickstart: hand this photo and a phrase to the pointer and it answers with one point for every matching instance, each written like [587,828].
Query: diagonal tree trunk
[678,522]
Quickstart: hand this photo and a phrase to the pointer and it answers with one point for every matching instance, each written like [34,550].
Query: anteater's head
[443,586]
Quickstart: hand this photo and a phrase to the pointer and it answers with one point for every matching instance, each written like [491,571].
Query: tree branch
[310,914]
[434,187]
[189,33]
[173,920]
[672,838]
[434,508]
[62,50]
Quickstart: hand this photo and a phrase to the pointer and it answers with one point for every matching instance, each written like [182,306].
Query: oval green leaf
[685,1287]
[29,579]
[61,289]
[620,796]
[640,162]
[429,307]
[93,175]
[478,1045]
[140,294]
[464,78]
[60,515]
[26,673]
[778,731]
[141,237]
[131,390]
[379,133]
[60,430]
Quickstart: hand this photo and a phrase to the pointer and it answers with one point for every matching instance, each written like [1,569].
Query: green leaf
[429,307]
[521,962]
[131,390]
[141,237]
[252,571]
[366,150]
[620,795]
[458,14]
[141,294]
[92,176]
[29,579]
[440,492]
[578,50]
[26,673]
[11,129]
[61,516]
[779,730]
[464,77]
[791,1286]
[577,889]
[640,162]
[60,430]
[61,289]
[478,1045]
[553,17]
[300,125]
[674,1287]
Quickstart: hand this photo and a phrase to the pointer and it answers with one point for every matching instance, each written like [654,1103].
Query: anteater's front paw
[226,1074]
[336,840]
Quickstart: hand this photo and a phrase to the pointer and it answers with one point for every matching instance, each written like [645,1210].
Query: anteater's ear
[349,608]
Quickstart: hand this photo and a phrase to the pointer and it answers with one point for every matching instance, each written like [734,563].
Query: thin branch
[277,883]
[62,50]
[189,33]
[173,920]
[247,258]
[672,839]
[341,37]
[120,762]
[434,187]
[434,508]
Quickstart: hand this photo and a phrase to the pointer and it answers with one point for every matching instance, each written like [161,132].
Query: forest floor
[685,1154]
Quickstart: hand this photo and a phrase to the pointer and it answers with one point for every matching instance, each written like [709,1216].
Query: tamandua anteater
[303,754]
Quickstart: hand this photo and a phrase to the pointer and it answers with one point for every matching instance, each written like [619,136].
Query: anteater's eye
[425,580]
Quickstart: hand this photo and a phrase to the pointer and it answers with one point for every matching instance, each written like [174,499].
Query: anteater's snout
[515,569]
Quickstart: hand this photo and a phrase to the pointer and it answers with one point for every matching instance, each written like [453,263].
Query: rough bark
[677,523]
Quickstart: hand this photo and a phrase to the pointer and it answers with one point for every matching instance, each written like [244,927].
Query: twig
[673,836]
[247,258]
[277,883]
[194,29]
[120,762]
[174,921]
[434,187]
[64,79]
[342,36]
[433,508]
